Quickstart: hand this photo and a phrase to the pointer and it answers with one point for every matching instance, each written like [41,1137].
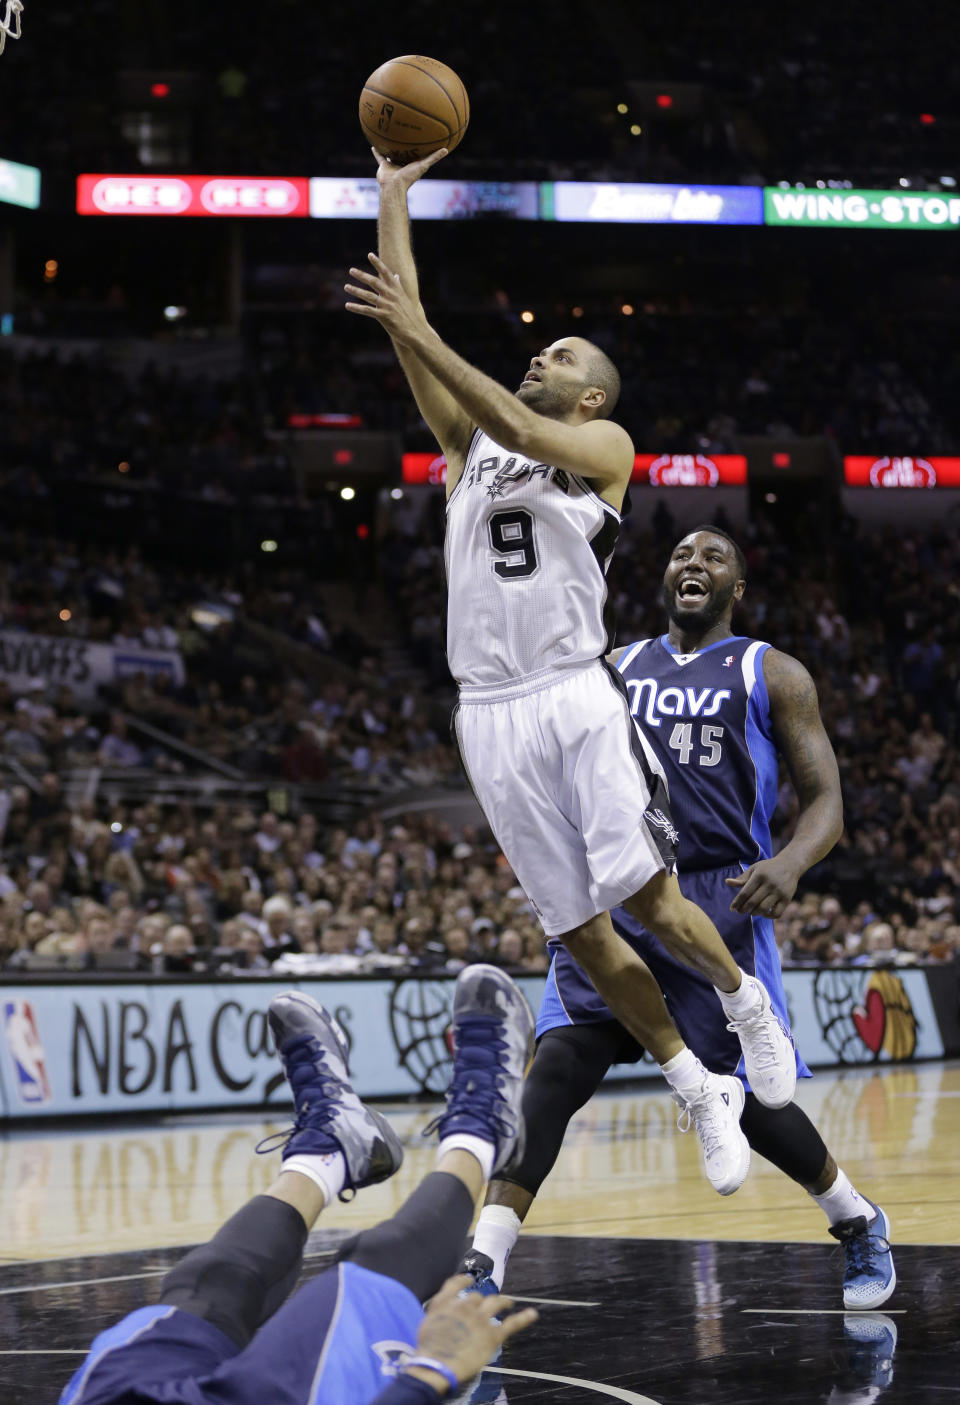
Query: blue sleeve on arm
[407,1390]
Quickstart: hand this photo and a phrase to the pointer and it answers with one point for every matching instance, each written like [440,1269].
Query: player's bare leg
[625,985]
[685,930]
[690,936]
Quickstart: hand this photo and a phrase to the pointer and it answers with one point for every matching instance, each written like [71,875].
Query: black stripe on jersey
[602,544]
[657,819]
[585,486]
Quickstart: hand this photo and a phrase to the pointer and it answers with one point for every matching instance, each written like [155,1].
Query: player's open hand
[764,889]
[390,175]
[463,1332]
[383,297]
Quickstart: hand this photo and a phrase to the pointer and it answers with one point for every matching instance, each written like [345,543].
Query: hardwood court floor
[733,1300]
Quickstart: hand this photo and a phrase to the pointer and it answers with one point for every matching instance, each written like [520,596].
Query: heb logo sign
[25,1048]
[424,468]
[191,195]
[903,471]
[689,470]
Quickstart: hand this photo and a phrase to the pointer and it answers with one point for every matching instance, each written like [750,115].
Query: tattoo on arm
[801,736]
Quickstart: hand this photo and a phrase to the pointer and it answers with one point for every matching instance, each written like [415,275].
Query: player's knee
[590,940]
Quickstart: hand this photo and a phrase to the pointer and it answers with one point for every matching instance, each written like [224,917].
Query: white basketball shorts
[574,796]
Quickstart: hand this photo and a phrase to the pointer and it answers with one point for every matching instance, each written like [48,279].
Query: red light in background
[363,531]
[927,118]
[664,100]
[781,460]
[160,90]
[342,456]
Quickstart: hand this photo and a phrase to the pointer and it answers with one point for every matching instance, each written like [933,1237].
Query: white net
[9,21]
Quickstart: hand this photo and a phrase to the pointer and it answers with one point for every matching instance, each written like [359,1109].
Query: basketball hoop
[10,21]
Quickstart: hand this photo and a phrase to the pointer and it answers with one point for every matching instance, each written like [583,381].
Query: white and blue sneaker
[492,1046]
[328,1115]
[869,1277]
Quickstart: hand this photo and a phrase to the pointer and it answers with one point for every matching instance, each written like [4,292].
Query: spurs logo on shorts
[661,821]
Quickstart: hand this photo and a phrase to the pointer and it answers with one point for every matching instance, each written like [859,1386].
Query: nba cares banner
[85,1047]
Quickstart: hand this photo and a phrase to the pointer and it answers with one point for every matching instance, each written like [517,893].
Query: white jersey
[527,551]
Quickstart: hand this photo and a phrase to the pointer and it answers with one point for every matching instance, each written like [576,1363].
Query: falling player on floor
[717,708]
[535,483]
[226,1331]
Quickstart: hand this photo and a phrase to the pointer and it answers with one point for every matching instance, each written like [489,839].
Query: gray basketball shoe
[493,1044]
[328,1114]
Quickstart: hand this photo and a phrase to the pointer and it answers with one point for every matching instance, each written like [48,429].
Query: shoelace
[862,1251]
[703,1113]
[760,1032]
[301,1061]
[478,1065]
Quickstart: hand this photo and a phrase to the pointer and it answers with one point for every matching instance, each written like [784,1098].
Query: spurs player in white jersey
[535,483]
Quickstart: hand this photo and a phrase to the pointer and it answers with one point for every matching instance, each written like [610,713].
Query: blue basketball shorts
[570,999]
[336,1340]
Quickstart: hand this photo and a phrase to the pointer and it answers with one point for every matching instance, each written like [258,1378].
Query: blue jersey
[707,717]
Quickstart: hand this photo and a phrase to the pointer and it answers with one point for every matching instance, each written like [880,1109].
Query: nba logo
[26,1051]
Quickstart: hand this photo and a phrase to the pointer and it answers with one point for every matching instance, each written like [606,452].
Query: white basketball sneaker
[769,1058]
[715,1114]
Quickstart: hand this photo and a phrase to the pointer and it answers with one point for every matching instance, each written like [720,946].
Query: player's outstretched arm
[447,421]
[766,887]
[598,450]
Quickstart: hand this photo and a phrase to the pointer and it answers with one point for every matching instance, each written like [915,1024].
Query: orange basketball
[411,106]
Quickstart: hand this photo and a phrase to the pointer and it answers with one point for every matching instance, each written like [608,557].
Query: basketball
[411,106]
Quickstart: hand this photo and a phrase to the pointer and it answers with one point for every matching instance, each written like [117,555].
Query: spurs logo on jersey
[527,549]
[509,472]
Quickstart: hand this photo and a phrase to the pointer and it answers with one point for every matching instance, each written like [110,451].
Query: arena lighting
[326,420]
[901,471]
[348,494]
[396,494]
[263,196]
[656,470]
[19,185]
[268,545]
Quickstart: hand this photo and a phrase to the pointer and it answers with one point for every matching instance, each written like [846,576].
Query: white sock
[684,1072]
[742,1001]
[329,1171]
[842,1202]
[476,1146]
[498,1229]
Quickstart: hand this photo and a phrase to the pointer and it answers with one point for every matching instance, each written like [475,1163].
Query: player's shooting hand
[463,1332]
[390,175]
[383,297]
[765,888]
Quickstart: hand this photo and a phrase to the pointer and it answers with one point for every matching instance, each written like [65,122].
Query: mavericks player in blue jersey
[717,709]
[223,1333]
